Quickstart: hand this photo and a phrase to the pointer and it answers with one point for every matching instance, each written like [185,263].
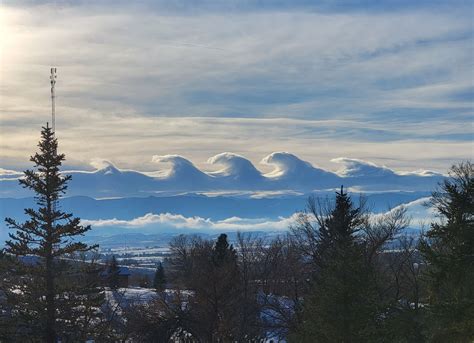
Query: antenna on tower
[53,99]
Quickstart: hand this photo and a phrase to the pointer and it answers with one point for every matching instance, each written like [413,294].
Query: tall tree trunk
[50,306]
[50,293]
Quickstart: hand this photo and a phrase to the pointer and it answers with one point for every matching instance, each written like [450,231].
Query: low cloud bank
[417,211]
[177,221]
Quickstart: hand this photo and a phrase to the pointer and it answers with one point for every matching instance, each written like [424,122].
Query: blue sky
[385,81]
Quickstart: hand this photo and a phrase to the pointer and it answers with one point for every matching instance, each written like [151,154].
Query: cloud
[290,175]
[180,166]
[217,6]
[99,163]
[176,221]
[418,211]
[6,174]
[286,164]
[238,169]
[294,173]
[183,175]
[360,173]
[137,79]
[359,168]
[175,160]
[129,142]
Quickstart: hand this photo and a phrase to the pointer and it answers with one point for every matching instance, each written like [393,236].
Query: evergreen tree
[449,253]
[113,273]
[217,291]
[43,300]
[159,281]
[218,309]
[8,323]
[341,306]
[222,252]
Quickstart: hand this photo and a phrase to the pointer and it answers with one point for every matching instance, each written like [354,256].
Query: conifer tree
[215,311]
[341,305]
[223,252]
[449,253]
[159,281]
[46,299]
[113,273]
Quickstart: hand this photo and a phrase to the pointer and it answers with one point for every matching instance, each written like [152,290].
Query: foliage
[159,281]
[217,306]
[448,250]
[47,296]
[342,306]
[113,273]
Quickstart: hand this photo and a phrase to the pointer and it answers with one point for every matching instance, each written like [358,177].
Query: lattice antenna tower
[53,118]
[53,98]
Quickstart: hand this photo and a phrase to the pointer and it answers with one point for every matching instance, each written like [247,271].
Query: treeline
[340,274]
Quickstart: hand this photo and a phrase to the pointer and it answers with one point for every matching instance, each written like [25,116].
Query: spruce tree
[449,253]
[113,273]
[222,252]
[214,310]
[46,299]
[341,306]
[159,281]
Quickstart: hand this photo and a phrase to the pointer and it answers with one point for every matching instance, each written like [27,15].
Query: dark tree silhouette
[449,252]
[47,237]
[341,306]
[219,309]
[113,273]
[222,252]
[159,281]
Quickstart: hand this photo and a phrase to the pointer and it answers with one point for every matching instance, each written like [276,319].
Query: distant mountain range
[193,212]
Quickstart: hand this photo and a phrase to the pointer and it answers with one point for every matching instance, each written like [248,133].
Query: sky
[391,82]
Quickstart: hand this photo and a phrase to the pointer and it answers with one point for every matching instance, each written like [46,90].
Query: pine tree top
[222,251]
[49,232]
[344,220]
[453,236]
